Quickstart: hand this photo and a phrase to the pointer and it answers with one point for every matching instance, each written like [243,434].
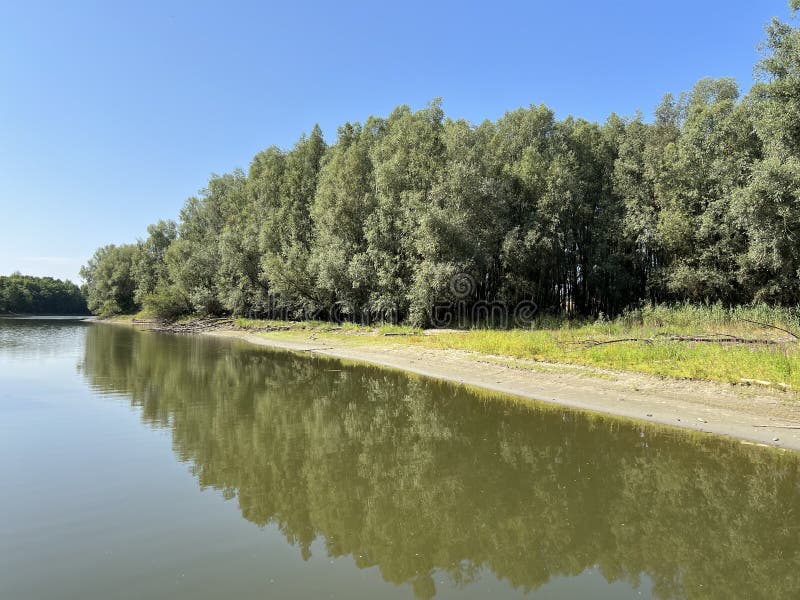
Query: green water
[141,465]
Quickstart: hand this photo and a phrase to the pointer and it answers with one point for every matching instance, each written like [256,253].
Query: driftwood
[780,426]
[707,338]
[201,325]
[726,338]
[263,329]
[196,326]
[770,326]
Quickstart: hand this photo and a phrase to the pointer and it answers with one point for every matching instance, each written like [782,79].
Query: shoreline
[752,415]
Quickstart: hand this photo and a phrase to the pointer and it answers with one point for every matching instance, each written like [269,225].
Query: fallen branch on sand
[192,326]
[770,326]
[724,338]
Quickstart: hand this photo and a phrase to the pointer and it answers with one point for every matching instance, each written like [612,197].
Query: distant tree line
[23,294]
[702,204]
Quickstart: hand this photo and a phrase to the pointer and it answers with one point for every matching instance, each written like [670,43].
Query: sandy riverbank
[751,414]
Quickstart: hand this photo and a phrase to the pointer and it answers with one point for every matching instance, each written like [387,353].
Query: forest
[698,204]
[27,295]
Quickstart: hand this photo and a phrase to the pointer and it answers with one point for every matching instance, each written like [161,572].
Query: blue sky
[111,116]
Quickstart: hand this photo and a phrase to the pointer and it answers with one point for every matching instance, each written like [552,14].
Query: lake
[144,465]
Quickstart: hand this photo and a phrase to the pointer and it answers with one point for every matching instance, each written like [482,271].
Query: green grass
[712,361]
[142,315]
[325,327]
[564,341]
[120,318]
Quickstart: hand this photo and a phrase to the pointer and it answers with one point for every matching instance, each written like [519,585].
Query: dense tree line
[427,481]
[701,205]
[24,294]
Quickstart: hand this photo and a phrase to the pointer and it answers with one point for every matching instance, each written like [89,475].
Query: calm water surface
[141,465]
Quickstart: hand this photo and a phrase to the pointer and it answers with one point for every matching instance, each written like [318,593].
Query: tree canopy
[700,205]
[24,294]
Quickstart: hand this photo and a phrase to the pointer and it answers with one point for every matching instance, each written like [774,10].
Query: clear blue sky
[110,117]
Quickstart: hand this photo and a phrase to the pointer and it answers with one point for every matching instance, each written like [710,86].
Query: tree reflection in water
[415,476]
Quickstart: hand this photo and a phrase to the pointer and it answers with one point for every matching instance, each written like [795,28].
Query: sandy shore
[752,414]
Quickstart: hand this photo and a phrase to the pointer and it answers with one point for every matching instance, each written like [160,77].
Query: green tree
[344,200]
[700,174]
[700,205]
[768,206]
[110,284]
[149,268]
[408,161]
[287,231]
[24,294]
[636,180]
[194,260]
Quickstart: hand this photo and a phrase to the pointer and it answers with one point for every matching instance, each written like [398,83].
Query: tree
[408,161]
[768,207]
[702,204]
[286,233]
[149,268]
[701,172]
[344,201]
[24,294]
[195,260]
[110,284]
